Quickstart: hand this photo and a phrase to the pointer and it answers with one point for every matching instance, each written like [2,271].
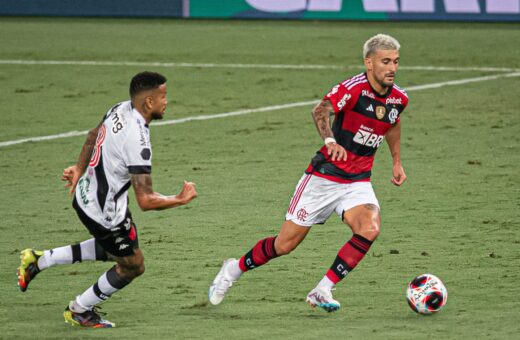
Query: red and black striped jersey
[362,117]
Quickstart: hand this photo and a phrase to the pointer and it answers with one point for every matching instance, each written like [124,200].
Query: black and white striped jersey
[122,148]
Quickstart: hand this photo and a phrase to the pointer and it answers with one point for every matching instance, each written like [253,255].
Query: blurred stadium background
[239,125]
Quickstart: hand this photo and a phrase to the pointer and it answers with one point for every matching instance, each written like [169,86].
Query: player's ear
[148,101]
[368,63]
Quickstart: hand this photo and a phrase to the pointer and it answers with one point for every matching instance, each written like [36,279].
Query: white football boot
[322,298]
[223,281]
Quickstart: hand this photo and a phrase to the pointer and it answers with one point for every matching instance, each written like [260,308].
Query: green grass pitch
[455,217]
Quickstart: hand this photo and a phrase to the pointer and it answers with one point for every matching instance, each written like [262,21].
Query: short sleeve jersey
[122,148]
[362,118]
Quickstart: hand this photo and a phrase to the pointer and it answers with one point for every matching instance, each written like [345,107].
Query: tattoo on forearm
[321,115]
[88,147]
[142,184]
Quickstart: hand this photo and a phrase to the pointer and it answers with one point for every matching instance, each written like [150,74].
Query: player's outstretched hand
[188,192]
[71,175]
[398,175]
[336,152]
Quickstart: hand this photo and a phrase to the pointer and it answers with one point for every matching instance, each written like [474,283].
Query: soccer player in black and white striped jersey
[116,154]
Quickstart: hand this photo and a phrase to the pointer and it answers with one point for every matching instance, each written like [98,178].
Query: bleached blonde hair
[380,42]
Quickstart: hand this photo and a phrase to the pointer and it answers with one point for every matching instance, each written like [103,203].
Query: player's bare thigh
[364,220]
[290,236]
[129,267]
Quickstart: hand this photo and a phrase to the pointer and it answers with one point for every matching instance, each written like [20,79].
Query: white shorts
[315,199]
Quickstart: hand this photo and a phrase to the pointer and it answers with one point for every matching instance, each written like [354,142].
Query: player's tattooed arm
[321,115]
[88,147]
[72,174]
[148,199]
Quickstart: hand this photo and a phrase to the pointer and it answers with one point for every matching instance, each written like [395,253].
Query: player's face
[159,102]
[382,65]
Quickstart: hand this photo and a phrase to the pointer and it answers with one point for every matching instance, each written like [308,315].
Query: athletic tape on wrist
[329,140]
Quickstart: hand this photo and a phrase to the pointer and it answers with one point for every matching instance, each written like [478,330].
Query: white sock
[234,270]
[326,283]
[61,255]
[84,251]
[106,285]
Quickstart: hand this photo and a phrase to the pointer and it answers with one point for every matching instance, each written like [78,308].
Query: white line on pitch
[261,109]
[261,66]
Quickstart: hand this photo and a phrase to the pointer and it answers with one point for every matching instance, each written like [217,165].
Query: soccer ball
[426,294]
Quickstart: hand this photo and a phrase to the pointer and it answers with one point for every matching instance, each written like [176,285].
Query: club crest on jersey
[302,214]
[380,112]
[392,116]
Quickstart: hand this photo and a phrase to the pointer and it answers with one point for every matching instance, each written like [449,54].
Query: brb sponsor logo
[390,6]
[365,136]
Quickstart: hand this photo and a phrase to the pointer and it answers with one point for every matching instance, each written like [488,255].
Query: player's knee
[138,269]
[130,271]
[370,230]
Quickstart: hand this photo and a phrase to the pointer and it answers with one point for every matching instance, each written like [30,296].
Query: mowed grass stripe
[261,109]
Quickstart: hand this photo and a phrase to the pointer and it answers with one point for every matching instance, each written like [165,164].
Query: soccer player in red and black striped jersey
[367,110]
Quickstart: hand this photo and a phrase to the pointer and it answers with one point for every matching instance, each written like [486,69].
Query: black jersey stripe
[367,107]
[332,170]
[139,169]
[122,191]
[102,183]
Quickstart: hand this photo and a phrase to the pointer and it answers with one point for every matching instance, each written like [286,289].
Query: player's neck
[378,88]
[143,112]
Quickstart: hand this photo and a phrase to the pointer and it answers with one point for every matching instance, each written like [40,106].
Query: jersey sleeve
[137,152]
[339,97]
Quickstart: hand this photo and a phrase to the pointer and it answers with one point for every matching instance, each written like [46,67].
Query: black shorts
[119,241]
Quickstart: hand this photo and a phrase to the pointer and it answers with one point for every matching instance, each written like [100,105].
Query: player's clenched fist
[188,192]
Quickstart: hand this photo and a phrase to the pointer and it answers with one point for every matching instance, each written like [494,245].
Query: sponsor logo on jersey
[392,116]
[370,108]
[366,93]
[333,91]
[343,100]
[119,239]
[368,138]
[146,154]
[380,112]
[393,100]
[123,246]
[143,135]
[84,187]
[117,122]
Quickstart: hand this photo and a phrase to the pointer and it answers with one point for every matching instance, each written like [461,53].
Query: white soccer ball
[426,294]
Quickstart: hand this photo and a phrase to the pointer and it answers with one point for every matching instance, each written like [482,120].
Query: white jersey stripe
[356,83]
